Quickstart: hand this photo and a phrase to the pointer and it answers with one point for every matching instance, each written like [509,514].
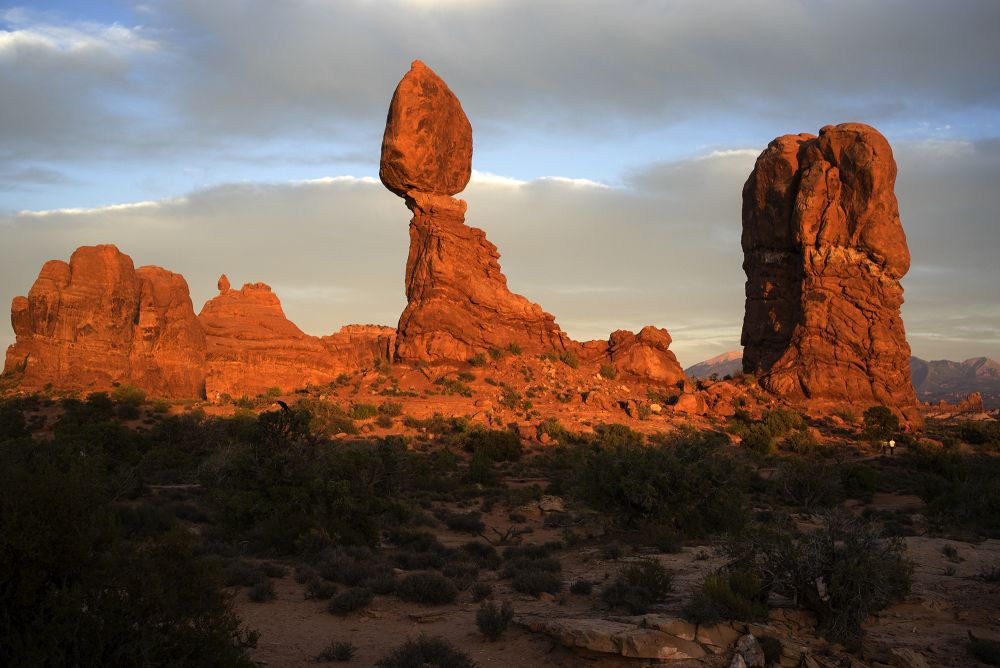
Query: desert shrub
[363,411]
[570,359]
[638,585]
[880,423]
[801,442]
[326,419]
[424,651]
[781,421]
[453,386]
[127,394]
[728,595]
[665,539]
[757,438]
[686,482]
[843,572]
[858,481]
[499,446]
[479,359]
[535,583]
[481,470]
[427,588]
[384,421]
[484,554]
[391,408]
[338,650]
[990,574]
[987,651]
[493,618]
[481,591]
[76,591]
[509,397]
[470,522]
[241,573]
[808,483]
[350,600]
[582,587]
[514,348]
[554,430]
[608,371]
[303,573]
[262,592]
[980,433]
[316,588]
[12,424]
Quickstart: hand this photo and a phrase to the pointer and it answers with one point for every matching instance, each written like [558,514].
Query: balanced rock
[253,347]
[97,322]
[427,145]
[645,355]
[458,302]
[824,252]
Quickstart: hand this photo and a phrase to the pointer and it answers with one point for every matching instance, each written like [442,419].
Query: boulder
[645,355]
[427,145]
[824,252]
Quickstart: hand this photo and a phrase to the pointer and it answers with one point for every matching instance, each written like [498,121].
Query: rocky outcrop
[361,346]
[252,346]
[97,321]
[824,253]
[458,303]
[645,355]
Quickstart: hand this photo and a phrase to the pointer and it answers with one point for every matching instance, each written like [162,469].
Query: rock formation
[645,355]
[458,303]
[98,321]
[824,253]
[252,346]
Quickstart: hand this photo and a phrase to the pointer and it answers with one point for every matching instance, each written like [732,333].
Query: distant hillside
[952,381]
[725,364]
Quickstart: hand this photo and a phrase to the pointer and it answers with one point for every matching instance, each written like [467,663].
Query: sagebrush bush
[638,585]
[338,650]
[317,588]
[426,651]
[481,591]
[262,592]
[843,572]
[426,588]
[493,618]
[535,583]
[499,446]
[350,600]
[728,595]
[363,411]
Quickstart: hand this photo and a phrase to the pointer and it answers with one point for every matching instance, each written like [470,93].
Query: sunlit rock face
[824,252]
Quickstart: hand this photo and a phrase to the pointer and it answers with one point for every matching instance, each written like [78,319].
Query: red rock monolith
[824,252]
[97,322]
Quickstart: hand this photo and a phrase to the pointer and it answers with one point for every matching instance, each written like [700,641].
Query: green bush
[514,348]
[843,572]
[685,482]
[481,591]
[570,359]
[535,583]
[391,408]
[809,483]
[427,588]
[608,371]
[728,595]
[638,585]
[452,386]
[426,652]
[499,446]
[363,411]
[262,592]
[880,423]
[479,359]
[350,600]
[492,619]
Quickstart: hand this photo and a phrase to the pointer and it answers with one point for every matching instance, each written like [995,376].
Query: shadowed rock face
[97,321]
[824,252]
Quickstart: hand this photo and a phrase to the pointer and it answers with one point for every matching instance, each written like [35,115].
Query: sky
[611,143]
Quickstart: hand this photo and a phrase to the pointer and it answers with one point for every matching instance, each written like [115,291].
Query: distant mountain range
[933,380]
[725,364]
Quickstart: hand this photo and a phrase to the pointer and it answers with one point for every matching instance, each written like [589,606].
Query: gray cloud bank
[198,75]
[662,250]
